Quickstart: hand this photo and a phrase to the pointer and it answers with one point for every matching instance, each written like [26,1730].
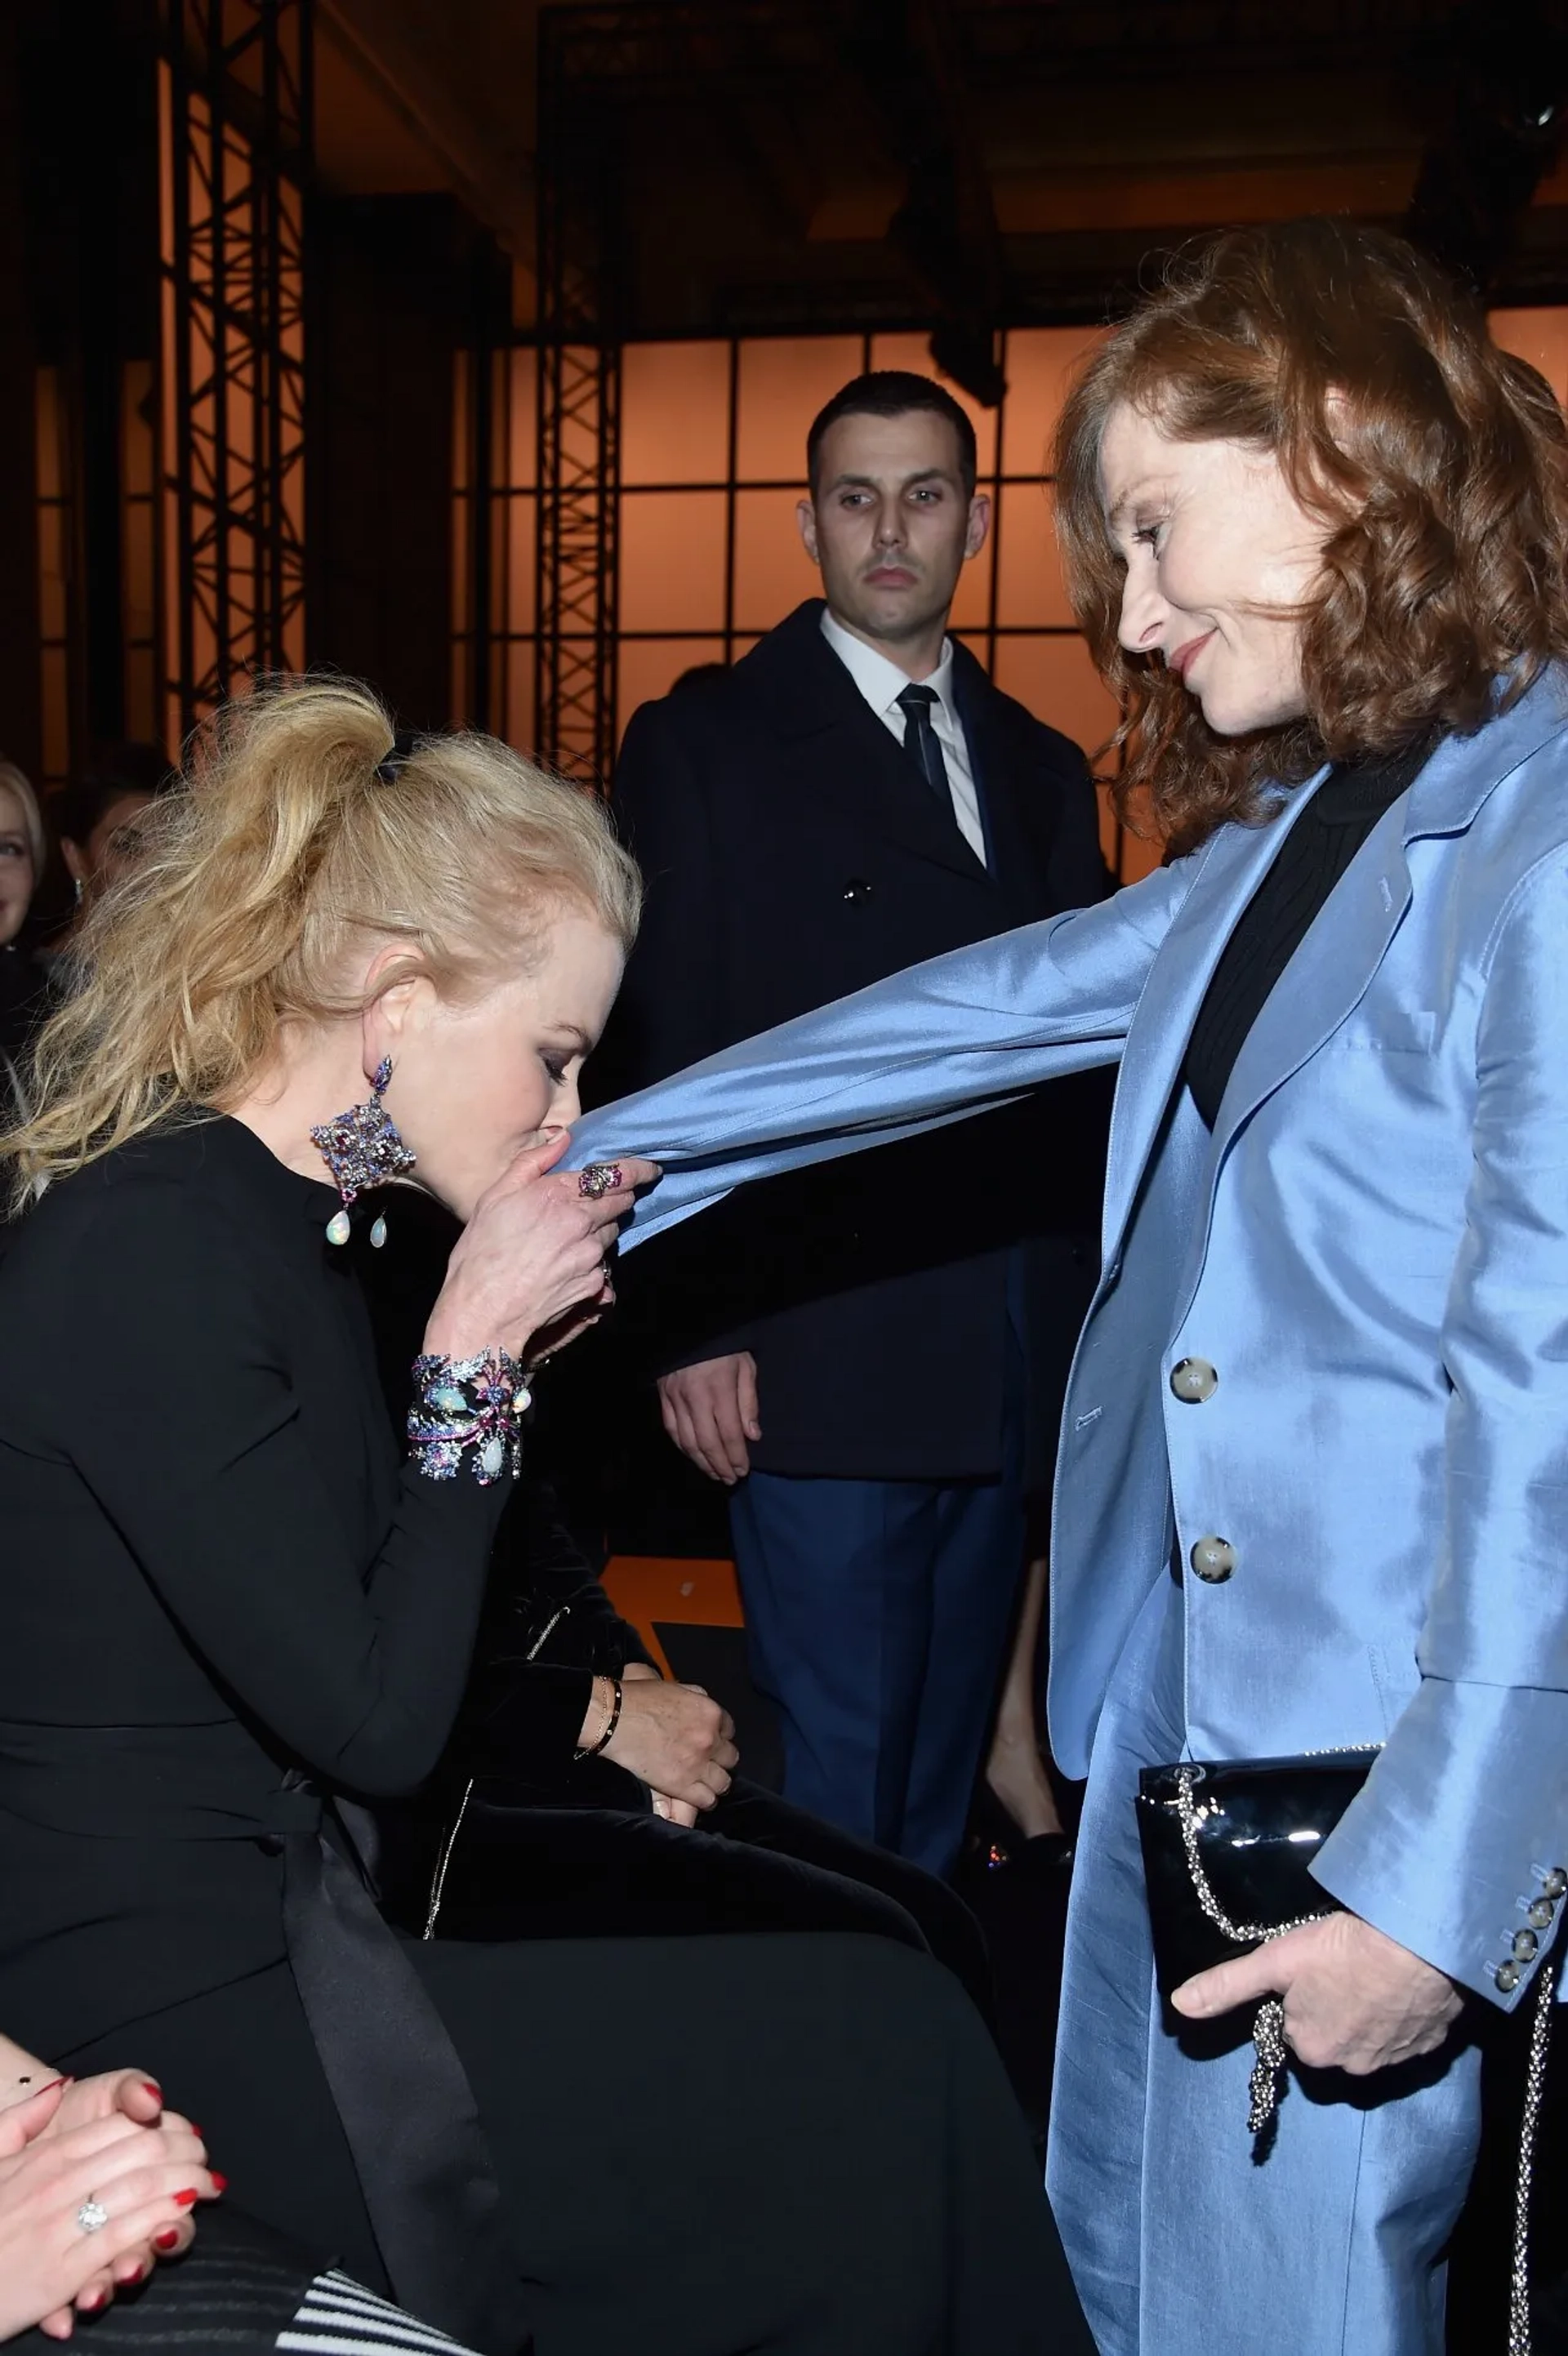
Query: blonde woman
[234,1613]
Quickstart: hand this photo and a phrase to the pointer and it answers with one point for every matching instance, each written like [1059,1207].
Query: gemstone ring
[91,2216]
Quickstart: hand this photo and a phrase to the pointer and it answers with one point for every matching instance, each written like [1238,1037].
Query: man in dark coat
[872,1358]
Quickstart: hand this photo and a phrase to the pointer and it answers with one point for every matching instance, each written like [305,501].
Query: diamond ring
[598,1178]
[93,2216]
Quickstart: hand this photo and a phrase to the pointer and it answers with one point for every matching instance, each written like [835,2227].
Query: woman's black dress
[232,1617]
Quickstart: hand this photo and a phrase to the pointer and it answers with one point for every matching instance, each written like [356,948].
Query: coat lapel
[1232,868]
[1015,865]
[845,750]
[1330,972]
[1327,978]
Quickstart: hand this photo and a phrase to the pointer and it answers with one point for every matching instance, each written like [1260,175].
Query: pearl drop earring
[362,1148]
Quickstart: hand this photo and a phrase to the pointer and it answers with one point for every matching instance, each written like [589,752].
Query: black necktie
[920,739]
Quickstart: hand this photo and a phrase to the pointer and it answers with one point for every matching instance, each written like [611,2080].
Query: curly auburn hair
[1438,463]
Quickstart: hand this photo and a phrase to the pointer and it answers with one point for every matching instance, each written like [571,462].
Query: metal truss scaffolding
[596,64]
[235,138]
[579,413]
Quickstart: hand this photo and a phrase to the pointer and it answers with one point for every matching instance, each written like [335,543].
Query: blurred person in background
[875,1389]
[95,816]
[22,855]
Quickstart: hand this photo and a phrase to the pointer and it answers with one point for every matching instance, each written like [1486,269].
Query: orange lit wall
[713,462]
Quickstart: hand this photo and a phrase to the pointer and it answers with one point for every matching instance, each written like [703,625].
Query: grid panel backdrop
[713,438]
[712,465]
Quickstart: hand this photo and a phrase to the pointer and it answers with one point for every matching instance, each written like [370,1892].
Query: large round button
[1214,1559]
[1507,1976]
[1556,1883]
[1194,1380]
[1525,1943]
[1540,1915]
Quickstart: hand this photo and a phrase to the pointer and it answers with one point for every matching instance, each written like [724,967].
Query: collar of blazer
[1331,970]
[808,692]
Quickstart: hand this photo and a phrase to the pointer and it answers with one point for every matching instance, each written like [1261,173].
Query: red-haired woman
[1314,1468]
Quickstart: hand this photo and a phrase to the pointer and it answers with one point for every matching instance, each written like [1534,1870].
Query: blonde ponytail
[282,850]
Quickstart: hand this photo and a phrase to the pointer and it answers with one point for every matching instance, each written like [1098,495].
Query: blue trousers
[877,1614]
[1183,2242]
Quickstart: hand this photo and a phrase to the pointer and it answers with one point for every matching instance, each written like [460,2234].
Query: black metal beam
[581,235]
[237,132]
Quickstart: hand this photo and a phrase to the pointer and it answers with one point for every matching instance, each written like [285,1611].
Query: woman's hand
[674,1811]
[533,1256]
[676,1740]
[1354,2000]
[146,2176]
[130,2094]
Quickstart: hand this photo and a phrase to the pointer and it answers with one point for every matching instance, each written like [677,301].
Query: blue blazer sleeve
[955,1036]
[1466,1811]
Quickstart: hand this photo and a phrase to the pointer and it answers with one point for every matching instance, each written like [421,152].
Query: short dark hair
[894,392]
[119,774]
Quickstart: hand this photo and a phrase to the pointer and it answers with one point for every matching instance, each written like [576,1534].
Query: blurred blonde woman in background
[22,853]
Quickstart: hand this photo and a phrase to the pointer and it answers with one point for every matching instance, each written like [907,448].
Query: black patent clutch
[1227,1845]
[1230,1844]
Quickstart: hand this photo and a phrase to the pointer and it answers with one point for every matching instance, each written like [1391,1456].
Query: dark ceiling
[716,164]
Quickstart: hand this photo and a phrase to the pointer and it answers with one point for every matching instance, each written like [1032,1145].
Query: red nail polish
[92,2302]
[221,2183]
[129,2282]
[167,2239]
[186,2199]
[155,2091]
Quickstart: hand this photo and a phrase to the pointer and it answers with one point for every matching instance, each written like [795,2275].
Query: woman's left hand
[1354,1998]
[674,1811]
[129,2094]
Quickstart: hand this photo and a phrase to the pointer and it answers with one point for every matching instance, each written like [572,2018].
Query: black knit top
[1315,854]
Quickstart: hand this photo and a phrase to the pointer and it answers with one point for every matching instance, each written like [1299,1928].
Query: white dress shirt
[882,683]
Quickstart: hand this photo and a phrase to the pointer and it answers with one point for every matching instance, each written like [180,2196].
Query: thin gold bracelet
[592,1749]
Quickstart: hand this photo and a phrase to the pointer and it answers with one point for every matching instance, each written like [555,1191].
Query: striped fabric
[241,2291]
[340,2318]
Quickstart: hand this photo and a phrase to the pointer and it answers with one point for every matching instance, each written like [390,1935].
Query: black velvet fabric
[520,1869]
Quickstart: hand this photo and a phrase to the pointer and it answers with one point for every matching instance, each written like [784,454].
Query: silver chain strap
[1268,2079]
[1535,2086]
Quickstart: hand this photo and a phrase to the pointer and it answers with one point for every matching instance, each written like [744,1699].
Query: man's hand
[710,1412]
[1354,2000]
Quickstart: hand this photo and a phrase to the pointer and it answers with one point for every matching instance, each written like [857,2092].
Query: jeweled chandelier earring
[362,1148]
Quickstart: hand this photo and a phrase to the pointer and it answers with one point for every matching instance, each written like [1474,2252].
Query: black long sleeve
[165,1373]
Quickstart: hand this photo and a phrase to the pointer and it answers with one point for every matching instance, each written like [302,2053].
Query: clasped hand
[1354,1998]
[106,2139]
[676,1740]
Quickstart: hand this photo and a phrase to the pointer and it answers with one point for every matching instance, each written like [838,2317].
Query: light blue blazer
[1372,1251]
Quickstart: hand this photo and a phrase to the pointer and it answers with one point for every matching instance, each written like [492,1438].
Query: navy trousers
[877,1616]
